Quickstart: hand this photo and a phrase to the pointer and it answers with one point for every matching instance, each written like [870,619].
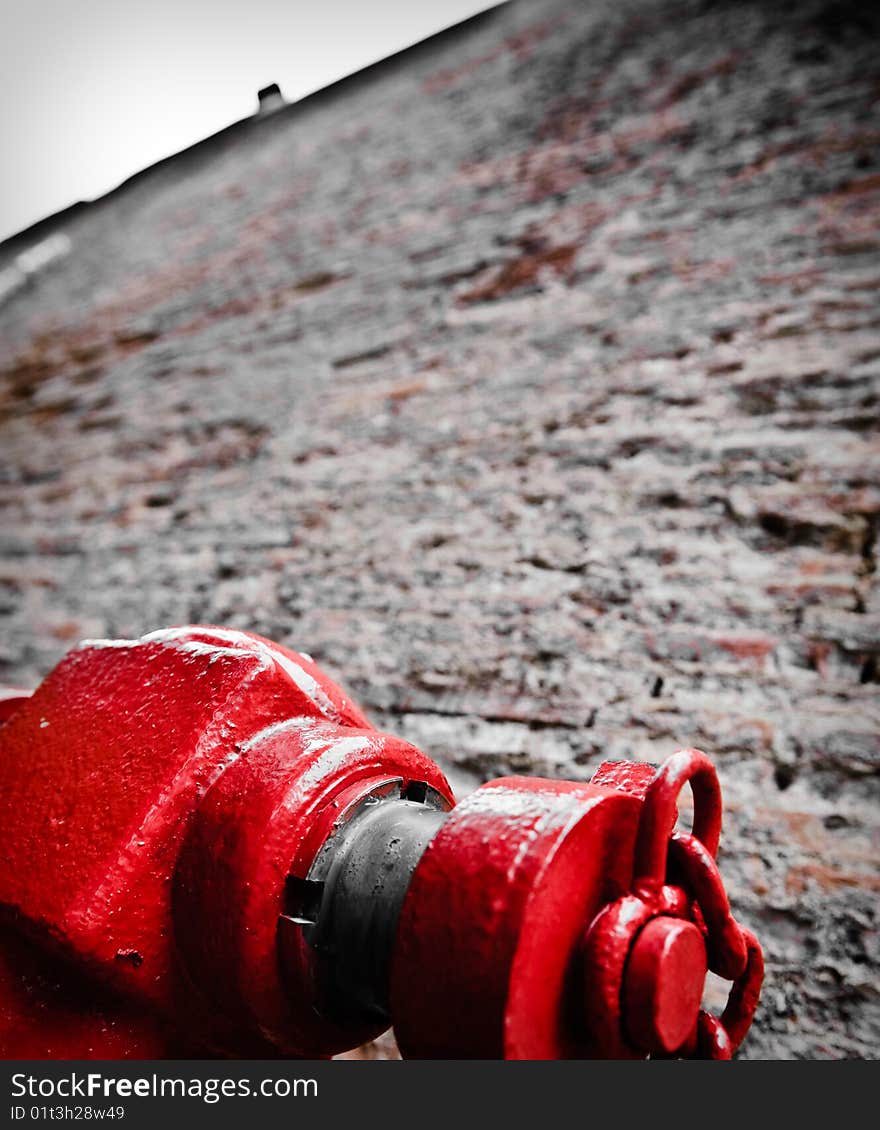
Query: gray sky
[93,90]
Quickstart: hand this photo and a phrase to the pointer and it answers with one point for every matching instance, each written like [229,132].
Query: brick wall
[530,383]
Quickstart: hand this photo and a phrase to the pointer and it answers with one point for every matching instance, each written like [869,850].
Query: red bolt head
[663,984]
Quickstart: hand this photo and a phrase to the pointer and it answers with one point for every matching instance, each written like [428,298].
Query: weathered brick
[531,384]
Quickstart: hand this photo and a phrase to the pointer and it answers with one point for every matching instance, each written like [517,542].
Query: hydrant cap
[663,984]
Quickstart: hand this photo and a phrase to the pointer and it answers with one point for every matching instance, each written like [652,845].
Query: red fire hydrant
[206,848]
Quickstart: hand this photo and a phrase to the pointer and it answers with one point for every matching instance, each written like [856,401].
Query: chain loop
[734,952]
[699,876]
[660,809]
[743,999]
[712,1040]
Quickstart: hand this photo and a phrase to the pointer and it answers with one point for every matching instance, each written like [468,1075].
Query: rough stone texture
[530,383]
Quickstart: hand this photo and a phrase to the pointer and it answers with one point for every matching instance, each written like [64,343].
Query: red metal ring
[743,1000]
[660,810]
[712,1040]
[699,872]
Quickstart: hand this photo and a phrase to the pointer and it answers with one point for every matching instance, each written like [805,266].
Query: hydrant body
[208,849]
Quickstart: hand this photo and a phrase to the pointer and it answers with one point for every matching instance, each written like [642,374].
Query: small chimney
[270,98]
